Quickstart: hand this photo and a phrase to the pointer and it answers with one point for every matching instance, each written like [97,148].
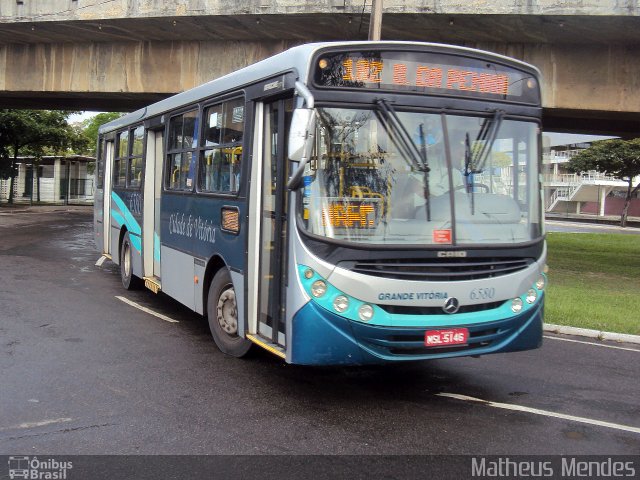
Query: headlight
[541,282]
[516,305]
[318,288]
[308,274]
[532,294]
[341,303]
[365,312]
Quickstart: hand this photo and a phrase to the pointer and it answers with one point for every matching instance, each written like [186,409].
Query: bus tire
[222,314]
[129,280]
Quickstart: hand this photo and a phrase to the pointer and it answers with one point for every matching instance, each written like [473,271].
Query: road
[82,372]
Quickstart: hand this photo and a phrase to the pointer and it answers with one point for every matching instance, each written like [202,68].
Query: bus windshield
[381,176]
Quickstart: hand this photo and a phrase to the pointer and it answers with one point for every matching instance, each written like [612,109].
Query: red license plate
[441,338]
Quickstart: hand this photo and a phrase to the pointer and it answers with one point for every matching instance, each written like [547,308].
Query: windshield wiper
[486,137]
[475,159]
[402,139]
[468,171]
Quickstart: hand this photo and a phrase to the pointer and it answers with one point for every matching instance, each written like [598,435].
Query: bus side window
[100,165]
[181,157]
[134,174]
[174,171]
[221,161]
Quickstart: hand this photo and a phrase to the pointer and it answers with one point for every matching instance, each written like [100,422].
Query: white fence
[68,191]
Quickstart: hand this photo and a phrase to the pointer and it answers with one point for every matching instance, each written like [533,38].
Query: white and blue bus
[339,203]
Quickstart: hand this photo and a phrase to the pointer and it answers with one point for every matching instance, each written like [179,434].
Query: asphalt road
[82,372]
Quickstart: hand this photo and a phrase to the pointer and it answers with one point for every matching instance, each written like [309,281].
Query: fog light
[365,312]
[308,274]
[341,303]
[516,305]
[318,288]
[541,282]
[531,296]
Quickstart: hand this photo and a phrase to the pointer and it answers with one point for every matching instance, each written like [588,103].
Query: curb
[597,334]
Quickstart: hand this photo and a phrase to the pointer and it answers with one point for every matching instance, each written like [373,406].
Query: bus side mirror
[301,134]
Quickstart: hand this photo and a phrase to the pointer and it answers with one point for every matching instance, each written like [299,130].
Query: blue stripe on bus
[156,247]
[132,224]
[117,217]
[122,215]
[136,242]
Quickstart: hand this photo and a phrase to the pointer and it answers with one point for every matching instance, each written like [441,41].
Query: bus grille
[439,270]
[420,310]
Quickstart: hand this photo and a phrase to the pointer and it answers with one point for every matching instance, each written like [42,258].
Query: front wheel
[222,313]
[129,280]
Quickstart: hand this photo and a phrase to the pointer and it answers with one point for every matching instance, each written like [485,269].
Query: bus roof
[295,59]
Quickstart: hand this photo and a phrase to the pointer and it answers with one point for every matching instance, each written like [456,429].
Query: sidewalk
[8,209]
[582,218]
[600,335]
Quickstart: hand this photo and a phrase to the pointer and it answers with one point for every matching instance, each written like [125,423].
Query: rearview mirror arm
[303,91]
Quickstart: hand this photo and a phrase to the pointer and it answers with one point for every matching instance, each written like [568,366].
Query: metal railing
[577,178]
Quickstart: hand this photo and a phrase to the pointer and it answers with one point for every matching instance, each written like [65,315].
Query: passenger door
[151,217]
[106,220]
[272,261]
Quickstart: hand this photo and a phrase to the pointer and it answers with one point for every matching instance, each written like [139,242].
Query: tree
[90,129]
[619,158]
[35,133]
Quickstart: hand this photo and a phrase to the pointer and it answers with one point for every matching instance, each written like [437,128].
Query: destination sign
[425,72]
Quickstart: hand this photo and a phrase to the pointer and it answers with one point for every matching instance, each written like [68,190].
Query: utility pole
[375,22]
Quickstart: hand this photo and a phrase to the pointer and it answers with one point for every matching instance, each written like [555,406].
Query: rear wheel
[222,313]
[129,280]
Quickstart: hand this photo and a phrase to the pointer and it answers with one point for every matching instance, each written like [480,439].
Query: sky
[82,116]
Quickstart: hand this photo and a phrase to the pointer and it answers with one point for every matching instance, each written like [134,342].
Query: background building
[61,180]
[592,193]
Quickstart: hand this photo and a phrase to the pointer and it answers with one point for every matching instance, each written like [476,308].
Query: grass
[594,281]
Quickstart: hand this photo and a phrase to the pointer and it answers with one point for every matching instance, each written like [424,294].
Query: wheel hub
[227,311]
[127,260]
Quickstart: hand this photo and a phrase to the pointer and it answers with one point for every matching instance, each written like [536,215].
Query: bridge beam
[120,55]
[583,85]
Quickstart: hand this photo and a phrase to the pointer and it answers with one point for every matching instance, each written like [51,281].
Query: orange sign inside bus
[350,215]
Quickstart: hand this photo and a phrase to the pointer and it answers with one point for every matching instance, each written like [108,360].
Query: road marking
[592,343]
[146,310]
[536,411]
[41,423]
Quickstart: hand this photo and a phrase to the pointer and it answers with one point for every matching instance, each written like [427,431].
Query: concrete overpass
[121,54]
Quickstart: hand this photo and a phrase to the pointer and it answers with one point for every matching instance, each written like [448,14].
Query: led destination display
[425,72]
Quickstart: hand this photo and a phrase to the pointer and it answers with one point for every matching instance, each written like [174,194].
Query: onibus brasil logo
[36,469]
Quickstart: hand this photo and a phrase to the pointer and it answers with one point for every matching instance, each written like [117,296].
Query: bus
[339,203]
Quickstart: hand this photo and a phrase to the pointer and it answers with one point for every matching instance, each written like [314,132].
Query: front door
[273,222]
[106,220]
[151,217]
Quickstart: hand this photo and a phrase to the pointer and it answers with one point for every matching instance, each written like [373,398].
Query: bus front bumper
[321,337]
